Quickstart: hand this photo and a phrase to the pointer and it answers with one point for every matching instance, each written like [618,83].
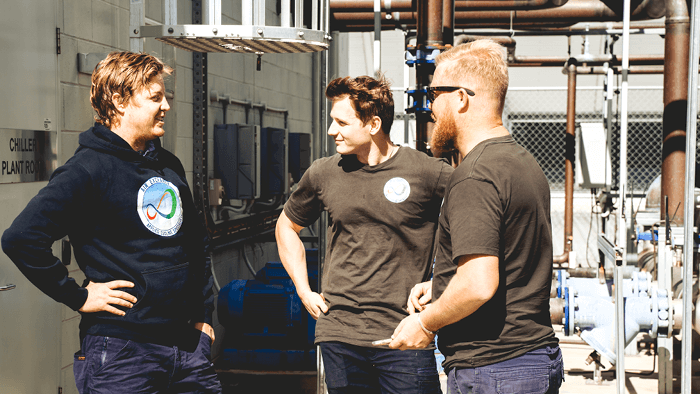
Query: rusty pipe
[560,61]
[569,156]
[448,22]
[675,109]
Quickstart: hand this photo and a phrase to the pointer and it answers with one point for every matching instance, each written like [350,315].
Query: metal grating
[234,45]
[237,38]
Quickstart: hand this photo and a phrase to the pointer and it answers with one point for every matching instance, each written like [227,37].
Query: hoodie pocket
[165,295]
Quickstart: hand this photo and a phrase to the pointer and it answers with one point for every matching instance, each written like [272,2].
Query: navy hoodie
[129,216]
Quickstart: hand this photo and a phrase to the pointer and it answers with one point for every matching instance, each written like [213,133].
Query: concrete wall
[285,81]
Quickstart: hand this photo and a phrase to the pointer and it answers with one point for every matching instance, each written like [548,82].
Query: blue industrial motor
[267,326]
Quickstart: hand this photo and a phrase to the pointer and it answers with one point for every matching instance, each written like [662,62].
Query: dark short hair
[370,97]
[124,73]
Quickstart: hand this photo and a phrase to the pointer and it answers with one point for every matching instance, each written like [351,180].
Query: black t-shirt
[497,204]
[380,239]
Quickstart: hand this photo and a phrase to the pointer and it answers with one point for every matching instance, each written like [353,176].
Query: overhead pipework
[300,31]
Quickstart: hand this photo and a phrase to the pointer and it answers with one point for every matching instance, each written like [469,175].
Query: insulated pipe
[675,107]
[569,155]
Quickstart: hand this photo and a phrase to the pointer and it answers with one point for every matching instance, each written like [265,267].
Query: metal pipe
[622,218]
[689,234]
[618,70]
[572,12]
[448,22]
[408,5]
[675,108]
[570,156]
[377,38]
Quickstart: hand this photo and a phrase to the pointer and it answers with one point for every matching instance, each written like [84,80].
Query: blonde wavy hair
[123,73]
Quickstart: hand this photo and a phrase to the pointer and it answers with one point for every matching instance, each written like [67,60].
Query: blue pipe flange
[560,283]
[418,101]
[568,312]
[421,56]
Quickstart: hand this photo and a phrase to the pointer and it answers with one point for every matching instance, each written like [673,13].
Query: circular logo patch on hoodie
[159,207]
[397,190]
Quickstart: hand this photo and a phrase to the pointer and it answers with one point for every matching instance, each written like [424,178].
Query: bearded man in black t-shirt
[493,265]
[383,202]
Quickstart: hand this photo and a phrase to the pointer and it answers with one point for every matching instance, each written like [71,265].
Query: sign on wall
[27,155]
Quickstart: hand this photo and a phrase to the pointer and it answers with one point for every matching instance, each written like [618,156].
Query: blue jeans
[538,371]
[363,370]
[106,365]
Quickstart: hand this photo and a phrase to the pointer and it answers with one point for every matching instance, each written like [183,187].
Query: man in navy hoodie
[124,202]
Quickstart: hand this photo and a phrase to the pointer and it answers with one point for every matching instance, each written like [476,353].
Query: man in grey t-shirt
[493,266]
[383,201]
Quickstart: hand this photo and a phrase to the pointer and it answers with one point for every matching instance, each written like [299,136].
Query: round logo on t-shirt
[397,190]
[159,207]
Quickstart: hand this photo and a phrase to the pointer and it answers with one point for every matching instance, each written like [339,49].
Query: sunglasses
[435,91]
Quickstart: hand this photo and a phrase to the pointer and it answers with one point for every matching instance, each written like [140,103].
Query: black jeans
[363,370]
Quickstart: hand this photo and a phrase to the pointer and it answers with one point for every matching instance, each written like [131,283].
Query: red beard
[442,141]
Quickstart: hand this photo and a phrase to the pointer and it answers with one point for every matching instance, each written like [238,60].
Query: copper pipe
[560,61]
[675,109]
[570,13]
[569,155]
[462,5]
[618,70]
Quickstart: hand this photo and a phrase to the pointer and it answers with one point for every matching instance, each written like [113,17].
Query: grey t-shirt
[380,239]
[497,204]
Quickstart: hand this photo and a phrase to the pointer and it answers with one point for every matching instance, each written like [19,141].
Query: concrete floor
[639,376]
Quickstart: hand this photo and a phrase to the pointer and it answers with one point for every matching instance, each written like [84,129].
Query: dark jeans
[536,372]
[107,365]
[355,369]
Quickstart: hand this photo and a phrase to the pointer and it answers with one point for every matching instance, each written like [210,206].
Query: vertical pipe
[688,254]
[619,323]
[622,225]
[314,14]
[377,37]
[624,95]
[428,33]
[247,12]
[285,14]
[569,157]
[448,22]
[675,102]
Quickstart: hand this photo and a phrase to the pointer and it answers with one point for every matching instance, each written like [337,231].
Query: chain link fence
[537,120]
